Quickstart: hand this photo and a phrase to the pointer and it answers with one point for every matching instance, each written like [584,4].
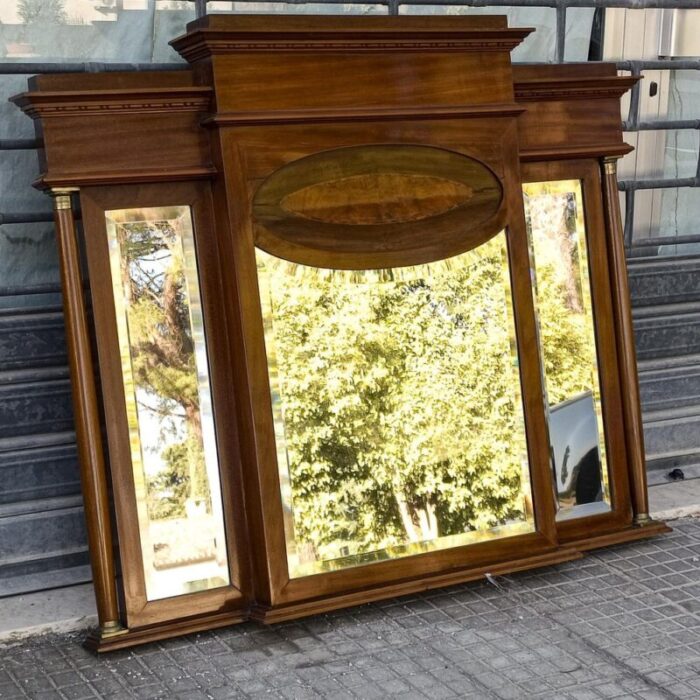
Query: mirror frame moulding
[208,138]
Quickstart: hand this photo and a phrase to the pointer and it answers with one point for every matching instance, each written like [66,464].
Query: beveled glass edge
[184,216]
[560,187]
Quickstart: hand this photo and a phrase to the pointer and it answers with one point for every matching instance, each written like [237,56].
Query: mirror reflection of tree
[42,11]
[557,233]
[163,363]
[567,336]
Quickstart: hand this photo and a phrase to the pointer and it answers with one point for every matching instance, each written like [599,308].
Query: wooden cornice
[118,176]
[205,43]
[316,116]
[578,88]
[227,34]
[572,152]
[119,101]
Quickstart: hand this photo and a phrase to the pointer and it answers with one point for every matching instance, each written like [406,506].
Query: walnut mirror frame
[352,344]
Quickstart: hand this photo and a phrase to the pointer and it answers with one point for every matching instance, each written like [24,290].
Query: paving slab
[57,610]
[676,499]
[622,623]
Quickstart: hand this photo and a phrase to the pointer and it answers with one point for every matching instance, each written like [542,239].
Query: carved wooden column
[87,418]
[634,436]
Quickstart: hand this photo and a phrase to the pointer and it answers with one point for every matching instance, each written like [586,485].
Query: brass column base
[642,519]
[111,629]
[100,637]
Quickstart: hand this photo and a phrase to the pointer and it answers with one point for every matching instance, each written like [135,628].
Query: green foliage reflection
[168,403]
[163,364]
[42,11]
[397,400]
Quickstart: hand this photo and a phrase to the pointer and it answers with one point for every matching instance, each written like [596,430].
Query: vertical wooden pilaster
[87,418]
[634,435]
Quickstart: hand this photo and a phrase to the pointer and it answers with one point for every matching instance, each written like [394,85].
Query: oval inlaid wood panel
[377,198]
[377,206]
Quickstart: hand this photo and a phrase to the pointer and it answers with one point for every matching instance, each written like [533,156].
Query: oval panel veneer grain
[377,206]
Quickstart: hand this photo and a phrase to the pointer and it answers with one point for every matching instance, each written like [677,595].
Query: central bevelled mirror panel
[397,407]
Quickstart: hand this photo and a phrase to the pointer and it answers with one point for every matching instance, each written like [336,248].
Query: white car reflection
[573,429]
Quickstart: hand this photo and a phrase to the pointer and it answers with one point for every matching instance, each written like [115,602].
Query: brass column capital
[62,197]
[610,164]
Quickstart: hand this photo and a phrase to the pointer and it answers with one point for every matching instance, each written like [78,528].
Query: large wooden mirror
[360,313]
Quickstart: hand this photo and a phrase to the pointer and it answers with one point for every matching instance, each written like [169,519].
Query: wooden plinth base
[133,637]
[268,615]
[634,532]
